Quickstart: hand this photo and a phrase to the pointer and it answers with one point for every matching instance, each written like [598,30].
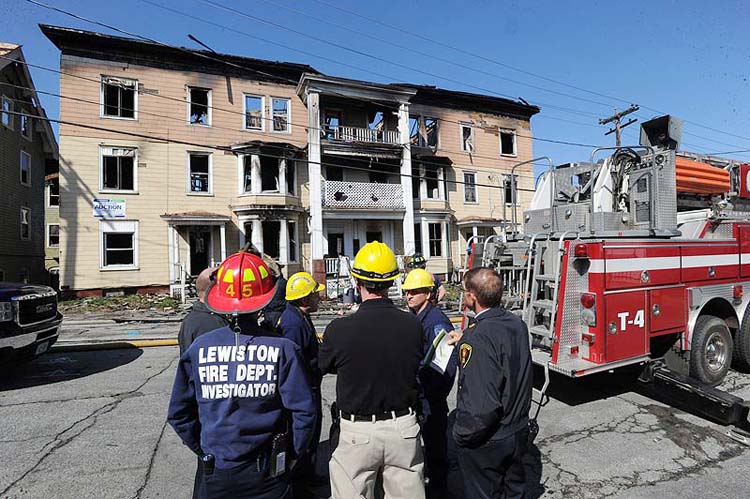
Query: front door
[335,244]
[200,241]
[375,235]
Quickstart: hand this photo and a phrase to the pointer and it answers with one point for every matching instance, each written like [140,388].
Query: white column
[255,180]
[170,237]
[406,180]
[441,183]
[223,241]
[425,249]
[257,234]
[313,168]
[421,182]
[282,176]
[283,241]
[243,236]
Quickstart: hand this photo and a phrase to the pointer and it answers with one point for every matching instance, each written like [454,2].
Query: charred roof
[429,95]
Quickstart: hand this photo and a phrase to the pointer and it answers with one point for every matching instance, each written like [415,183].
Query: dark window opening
[508,143]
[508,190]
[53,236]
[374,235]
[331,121]
[417,238]
[269,174]
[355,246]
[431,128]
[291,166]
[378,177]
[118,249]
[377,122]
[335,245]
[119,98]
[25,224]
[432,179]
[271,232]
[436,239]
[415,182]
[199,106]
[25,168]
[334,173]
[467,138]
[247,173]
[199,173]
[292,233]
[54,193]
[118,173]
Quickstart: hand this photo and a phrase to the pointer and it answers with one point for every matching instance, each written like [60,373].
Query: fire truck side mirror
[664,132]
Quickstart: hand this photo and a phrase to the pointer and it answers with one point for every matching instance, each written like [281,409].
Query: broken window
[26,126]
[53,235]
[467,138]
[331,122]
[292,232]
[432,179]
[6,117]
[25,222]
[334,173]
[435,239]
[507,143]
[290,171]
[253,112]
[417,238]
[119,97]
[25,168]
[508,193]
[199,106]
[416,180]
[470,187]
[377,121]
[200,172]
[281,114]
[271,233]
[53,192]
[118,168]
[431,131]
[414,135]
[247,173]
[269,174]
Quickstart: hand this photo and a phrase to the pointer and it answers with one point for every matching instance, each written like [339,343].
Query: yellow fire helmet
[375,262]
[300,285]
[418,279]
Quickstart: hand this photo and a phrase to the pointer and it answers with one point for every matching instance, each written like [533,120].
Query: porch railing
[362,195]
[356,134]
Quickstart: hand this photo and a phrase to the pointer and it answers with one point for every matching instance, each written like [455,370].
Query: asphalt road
[92,425]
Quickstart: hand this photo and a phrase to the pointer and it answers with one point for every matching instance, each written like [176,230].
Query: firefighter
[376,353]
[494,392]
[235,391]
[438,289]
[302,299]
[436,380]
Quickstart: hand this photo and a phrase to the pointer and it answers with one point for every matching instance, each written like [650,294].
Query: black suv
[29,320]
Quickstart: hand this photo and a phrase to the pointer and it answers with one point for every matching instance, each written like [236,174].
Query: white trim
[188,190]
[262,111]
[109,190]
[515,142]
[11,120]
[476,189]
[118,227]
[47,191]
[694,261]
[30,136]
[296,241]
[20,169]
[101,99]
[599,266]
[288,116]
[20,222]
[461,127]
[208,110]
[46,236]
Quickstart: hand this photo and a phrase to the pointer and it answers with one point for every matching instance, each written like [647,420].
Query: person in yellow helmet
[302,299]
[376,353]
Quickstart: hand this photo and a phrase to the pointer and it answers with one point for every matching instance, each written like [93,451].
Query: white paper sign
[440,352]
[109,208]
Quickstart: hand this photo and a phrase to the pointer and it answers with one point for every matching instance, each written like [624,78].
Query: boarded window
[253,112]
[25,168]
[436,239]
[118,169]
[470,187]
[200,102]
[280,114]
[200,174]
[508,143]
[53,235]
[118,97]
[25,222]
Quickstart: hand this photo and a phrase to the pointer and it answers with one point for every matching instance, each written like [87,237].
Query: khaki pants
[367,448]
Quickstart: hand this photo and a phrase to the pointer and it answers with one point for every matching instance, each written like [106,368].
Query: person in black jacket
[200,319]
[494,393]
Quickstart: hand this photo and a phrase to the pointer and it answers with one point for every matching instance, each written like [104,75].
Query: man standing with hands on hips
[494,393]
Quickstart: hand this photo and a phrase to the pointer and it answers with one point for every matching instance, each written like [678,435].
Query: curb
[112,345]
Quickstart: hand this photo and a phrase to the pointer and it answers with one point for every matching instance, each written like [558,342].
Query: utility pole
[619,126]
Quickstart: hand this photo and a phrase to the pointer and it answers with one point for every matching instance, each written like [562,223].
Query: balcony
[362,196]
[365,135]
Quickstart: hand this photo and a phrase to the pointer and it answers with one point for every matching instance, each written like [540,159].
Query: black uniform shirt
[376,353]
[494,380]
[200,320]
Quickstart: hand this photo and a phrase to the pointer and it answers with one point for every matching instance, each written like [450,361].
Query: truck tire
[711,350]
[741,351]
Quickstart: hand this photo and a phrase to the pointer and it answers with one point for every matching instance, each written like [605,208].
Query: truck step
[543,304]
[540,330]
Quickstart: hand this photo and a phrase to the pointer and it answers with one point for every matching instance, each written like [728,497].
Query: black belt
[382,416]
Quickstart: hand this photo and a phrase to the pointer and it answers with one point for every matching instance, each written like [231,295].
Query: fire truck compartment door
[636,266]
[744,237]
[626,325]
[666,308]
[708,262]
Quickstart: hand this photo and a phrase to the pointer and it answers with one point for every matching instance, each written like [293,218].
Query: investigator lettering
[244,371]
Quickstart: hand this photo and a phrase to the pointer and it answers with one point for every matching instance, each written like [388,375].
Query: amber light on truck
[6,311]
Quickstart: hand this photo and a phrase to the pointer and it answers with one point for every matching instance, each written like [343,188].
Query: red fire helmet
[243,285]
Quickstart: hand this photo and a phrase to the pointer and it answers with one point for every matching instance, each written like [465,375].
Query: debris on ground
[149,302]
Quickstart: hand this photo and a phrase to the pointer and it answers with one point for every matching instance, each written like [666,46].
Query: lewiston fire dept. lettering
[638,320]
[242,371]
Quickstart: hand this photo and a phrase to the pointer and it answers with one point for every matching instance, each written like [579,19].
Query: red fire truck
[632,255]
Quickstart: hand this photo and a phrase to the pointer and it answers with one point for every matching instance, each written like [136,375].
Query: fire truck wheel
[711,352]
[742,345]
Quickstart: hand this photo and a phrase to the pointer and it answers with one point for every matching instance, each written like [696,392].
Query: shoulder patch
[464,354]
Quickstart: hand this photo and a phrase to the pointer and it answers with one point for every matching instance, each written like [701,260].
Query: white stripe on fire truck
[665,263]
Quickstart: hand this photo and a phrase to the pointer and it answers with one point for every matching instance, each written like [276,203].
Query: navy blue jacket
[229,401]
[494,380]
[298,327]
[434,383]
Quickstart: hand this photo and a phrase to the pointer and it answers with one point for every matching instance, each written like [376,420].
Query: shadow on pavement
[58,367]
[577,391]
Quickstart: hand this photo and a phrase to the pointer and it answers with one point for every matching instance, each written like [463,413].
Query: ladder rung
[540,330]
[545,304]
[546,277]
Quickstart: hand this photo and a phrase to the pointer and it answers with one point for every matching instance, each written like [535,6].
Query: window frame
[3,112]
[20,169]
[48,195]
[430,239]
[125,227]
[515,142]
[288,115]
[47,236]
[188,187]
[292,241]
[209,100]
[21,223]
[465,185]
[109,190]
[262,112]
[473,140]
[507,185]
[30,135]
[102,105]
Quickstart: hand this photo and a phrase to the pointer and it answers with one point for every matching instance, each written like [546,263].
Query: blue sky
[688,58]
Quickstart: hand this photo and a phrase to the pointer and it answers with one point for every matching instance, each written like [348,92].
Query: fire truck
[637,253]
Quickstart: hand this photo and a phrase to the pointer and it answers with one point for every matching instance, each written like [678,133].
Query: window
[25,221]
[436,239]
[7,108]
[119,248]
[467,138]
[470,187]
[26,126]
[199,165]
[332,119]
[290,171]
[431,129]
[118,169]
[269,174]
[507,142]
[508,189]
[53,193]
[199,106]
[247,174]
[25,168]
[423,131]
[53,236]
[432,181]
[271,235]
[418,238]
[254,113]
[416,181]
[119,98]
[414,130]
[292,234]
[281,110]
